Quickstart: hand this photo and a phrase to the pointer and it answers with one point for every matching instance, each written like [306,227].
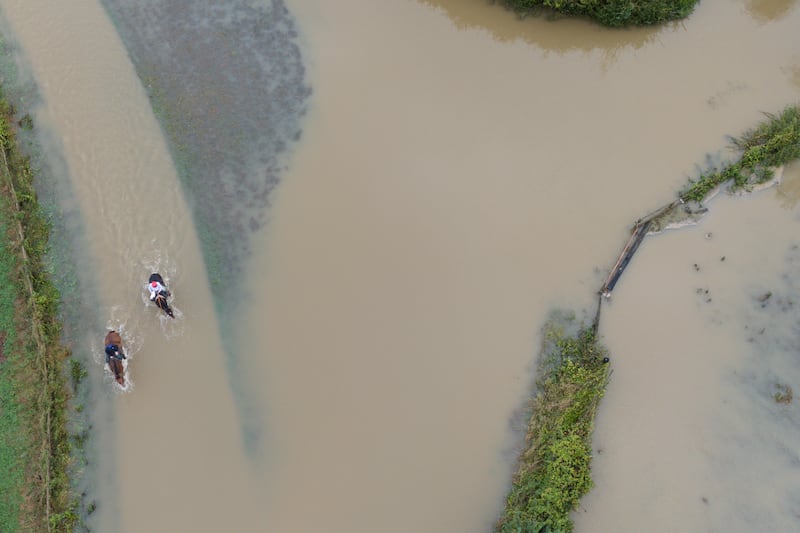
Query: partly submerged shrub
[613,13]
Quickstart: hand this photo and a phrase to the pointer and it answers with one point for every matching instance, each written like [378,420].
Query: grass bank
[612,13]
[554,468]
[34,442]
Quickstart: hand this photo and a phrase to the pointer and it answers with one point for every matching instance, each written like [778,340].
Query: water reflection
[768,10]
[553,35]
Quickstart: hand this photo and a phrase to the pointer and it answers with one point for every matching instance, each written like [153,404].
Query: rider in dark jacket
[112,350]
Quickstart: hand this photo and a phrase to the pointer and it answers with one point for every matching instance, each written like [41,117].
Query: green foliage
[34,444]
[771,144]
[13,440]
[613,13]
[77,372]
[554,470]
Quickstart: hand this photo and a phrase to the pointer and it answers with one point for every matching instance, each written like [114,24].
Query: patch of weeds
[77,372]
[26,122]
[554,468]
[769,145]
[783,394]
[79,439]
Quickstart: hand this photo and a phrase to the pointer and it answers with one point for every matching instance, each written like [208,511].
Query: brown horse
[114,356]
[161,298]
[161,303]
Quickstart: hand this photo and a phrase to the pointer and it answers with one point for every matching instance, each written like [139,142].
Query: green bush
[613,13]
[771,144]
[554,469]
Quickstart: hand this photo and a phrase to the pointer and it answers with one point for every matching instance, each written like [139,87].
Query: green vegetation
[12,445]
[771,144]
[34,445]
[554,468]
[784,393]
[613,13]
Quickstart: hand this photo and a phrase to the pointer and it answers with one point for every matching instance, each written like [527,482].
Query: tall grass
[554,468]
[772,143]
[33,372]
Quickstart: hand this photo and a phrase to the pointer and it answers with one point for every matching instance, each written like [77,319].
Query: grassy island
[554,468]
[612,13]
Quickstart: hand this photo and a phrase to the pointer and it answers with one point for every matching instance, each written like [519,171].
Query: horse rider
[157,289]
[113,350]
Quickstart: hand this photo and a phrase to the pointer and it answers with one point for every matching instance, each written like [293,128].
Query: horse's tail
[161,302]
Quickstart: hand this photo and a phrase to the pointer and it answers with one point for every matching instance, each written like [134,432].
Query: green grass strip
[12,440]
[554,468]
[34,412]
[612,13]
[773,143]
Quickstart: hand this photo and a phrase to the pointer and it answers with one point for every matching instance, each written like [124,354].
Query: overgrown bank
[613,13]
[554,468]
[773,143]
[34,442]
[554,471]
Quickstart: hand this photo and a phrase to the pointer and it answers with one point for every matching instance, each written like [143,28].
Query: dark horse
[160,298]
[114,356]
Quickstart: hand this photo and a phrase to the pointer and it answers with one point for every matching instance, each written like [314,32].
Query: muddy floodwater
[696,432]
[366,212]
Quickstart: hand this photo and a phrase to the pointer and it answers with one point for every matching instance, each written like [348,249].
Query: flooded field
[697,422]
[368,211]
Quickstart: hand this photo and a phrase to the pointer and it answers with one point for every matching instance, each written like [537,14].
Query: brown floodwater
[705,331]
[461,173]
[159,471]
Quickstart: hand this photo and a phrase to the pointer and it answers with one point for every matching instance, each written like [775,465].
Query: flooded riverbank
[704,332]
[437,199]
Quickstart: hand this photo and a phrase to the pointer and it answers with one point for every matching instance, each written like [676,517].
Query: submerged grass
[612,13]
[772,143]
[554,468]
[33,434]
